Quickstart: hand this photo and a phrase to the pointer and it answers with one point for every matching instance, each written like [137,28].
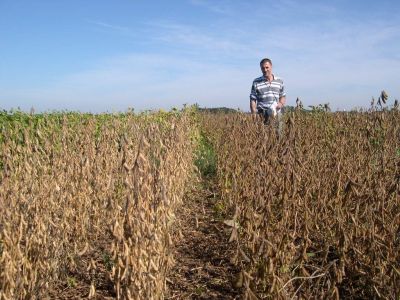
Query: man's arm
[281,102]
[282,97]
[253,106]
[253,99]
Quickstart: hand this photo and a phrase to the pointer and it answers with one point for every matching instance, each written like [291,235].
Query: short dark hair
[265,60]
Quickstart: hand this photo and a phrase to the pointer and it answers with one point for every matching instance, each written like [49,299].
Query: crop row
[316,206]
[92,198]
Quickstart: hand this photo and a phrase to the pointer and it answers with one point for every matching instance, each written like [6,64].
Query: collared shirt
[266,93]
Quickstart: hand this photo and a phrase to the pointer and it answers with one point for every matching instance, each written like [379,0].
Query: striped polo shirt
[265,93]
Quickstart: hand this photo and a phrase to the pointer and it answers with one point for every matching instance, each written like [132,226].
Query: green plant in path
[220,210]
[206,160]
[107,261]
[71,281]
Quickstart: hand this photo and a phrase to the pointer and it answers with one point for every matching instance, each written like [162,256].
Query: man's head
[266,67]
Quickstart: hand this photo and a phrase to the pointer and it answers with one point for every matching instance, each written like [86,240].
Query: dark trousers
[268,119]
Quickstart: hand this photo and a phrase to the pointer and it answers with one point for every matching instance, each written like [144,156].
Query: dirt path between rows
[202,253]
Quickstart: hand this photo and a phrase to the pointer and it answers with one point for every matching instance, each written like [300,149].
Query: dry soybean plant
[317,210]
[74,185]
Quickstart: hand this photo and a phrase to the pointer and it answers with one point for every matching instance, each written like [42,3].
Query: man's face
[266,69]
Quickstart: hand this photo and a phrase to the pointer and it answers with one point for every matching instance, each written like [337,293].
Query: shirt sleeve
[253,93]
[282,91]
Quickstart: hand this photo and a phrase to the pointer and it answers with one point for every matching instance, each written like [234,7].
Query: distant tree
[215,110]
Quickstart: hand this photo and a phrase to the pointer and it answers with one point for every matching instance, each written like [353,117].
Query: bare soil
[202,253]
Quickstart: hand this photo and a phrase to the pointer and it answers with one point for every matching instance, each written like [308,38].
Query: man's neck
[270,78]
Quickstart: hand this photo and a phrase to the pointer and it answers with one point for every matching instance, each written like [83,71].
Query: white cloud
[196,39]
[218,8]
[113,27]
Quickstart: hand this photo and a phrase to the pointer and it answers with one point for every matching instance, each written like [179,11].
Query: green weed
[206,159]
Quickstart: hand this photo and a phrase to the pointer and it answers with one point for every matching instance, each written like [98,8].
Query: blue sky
[106,56]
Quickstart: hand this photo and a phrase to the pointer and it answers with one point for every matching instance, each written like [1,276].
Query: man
[267,95]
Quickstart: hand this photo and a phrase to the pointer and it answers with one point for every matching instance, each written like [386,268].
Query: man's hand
[281,102]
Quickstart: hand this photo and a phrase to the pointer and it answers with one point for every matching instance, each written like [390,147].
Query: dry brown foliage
[73,183]
[318,209]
